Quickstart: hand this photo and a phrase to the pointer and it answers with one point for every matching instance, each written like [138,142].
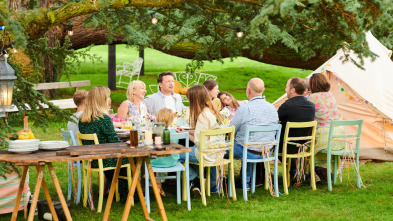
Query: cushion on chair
[184,90]
[178,87]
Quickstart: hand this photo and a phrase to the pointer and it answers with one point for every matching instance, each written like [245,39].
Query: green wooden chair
[335,153]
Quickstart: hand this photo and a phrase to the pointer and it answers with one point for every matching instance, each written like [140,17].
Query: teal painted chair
[70,137]
[272,157]
[178,169]
[336,153]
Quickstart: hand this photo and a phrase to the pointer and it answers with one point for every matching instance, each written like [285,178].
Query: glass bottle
[167,136]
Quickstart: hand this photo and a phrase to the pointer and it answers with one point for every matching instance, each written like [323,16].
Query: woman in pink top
[325,112]
[228,101]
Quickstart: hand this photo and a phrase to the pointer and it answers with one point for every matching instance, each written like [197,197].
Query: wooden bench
[58,85]
[61,103]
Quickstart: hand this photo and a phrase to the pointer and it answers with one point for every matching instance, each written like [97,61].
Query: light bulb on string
[154,20]
[70,32]
[239,32]
[14,50]
[6,55]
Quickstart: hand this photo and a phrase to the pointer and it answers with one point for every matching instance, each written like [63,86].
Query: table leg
[139,188]
[155,189]
[112,190]
[135,182]
[49,200]
[20,190]
[40,175]
[59,192]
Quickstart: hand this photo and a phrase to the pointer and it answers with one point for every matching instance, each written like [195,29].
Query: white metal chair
[128,70]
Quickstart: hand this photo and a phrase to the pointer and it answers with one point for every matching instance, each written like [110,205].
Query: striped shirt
[257,112]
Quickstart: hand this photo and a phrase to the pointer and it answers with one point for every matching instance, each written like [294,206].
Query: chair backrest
[87,137]
[308,138]
[178,136]
[218,132]
[349,123]
[69,137]
[276,128]
[137,65]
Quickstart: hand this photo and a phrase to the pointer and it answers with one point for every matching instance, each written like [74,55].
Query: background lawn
[344,203]
[231,76]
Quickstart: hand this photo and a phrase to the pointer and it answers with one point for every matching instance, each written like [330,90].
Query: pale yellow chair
[100,171]
[216,149]
[308,153]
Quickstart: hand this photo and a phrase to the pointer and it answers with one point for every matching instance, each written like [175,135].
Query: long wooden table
[90,152]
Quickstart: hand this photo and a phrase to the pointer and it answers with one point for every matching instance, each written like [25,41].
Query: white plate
[23,147]
[53,145]
[185,127]
[22,143]
[28,150]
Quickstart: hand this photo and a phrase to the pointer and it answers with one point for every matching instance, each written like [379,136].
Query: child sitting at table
[166,116]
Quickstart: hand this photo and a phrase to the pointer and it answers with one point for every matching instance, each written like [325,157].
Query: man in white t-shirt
[165,97]
[80,102]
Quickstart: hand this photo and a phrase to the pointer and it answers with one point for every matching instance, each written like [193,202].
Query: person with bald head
[257,112]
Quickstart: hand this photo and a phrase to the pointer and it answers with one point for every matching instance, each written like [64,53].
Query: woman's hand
[180,130]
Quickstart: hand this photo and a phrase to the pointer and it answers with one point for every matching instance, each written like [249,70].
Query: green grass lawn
[344,203]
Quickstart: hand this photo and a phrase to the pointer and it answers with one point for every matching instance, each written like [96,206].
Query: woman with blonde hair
[95,119]
[203,116]
[133,106]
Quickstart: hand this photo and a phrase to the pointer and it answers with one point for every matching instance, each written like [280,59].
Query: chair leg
[253,177]
[117,191]
[233,181]
[85,164]
[229,186]
[244,179]
[284,175]
[188,186]
[178,187]
[202,183]
[147,190]
[358,171]
[69,181]
[101,190]
[312,168]
[276,177]
[78,195]
[184,189]
[329,171]
[208,181]
[335,169]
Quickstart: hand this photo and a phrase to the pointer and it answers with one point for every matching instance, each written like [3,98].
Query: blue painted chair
[267,158]
[70,137]
[335,153]
[178,168]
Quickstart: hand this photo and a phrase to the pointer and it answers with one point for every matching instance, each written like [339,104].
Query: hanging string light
[239,32]
[70,32]
[5,54]
[154,20]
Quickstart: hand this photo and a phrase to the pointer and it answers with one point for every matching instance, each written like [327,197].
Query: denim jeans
[238,154]
[194,169]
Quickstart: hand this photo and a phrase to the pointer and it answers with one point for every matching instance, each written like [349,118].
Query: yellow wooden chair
[100,171]
[216,149]
[308,153]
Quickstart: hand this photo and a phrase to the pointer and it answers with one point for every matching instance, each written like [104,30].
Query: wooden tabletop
[90,152]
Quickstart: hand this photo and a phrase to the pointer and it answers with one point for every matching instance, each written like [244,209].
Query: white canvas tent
[364,94]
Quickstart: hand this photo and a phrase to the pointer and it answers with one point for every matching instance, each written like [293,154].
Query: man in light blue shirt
[257,112]
[165,97]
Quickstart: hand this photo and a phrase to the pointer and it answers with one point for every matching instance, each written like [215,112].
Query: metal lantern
[7,78]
